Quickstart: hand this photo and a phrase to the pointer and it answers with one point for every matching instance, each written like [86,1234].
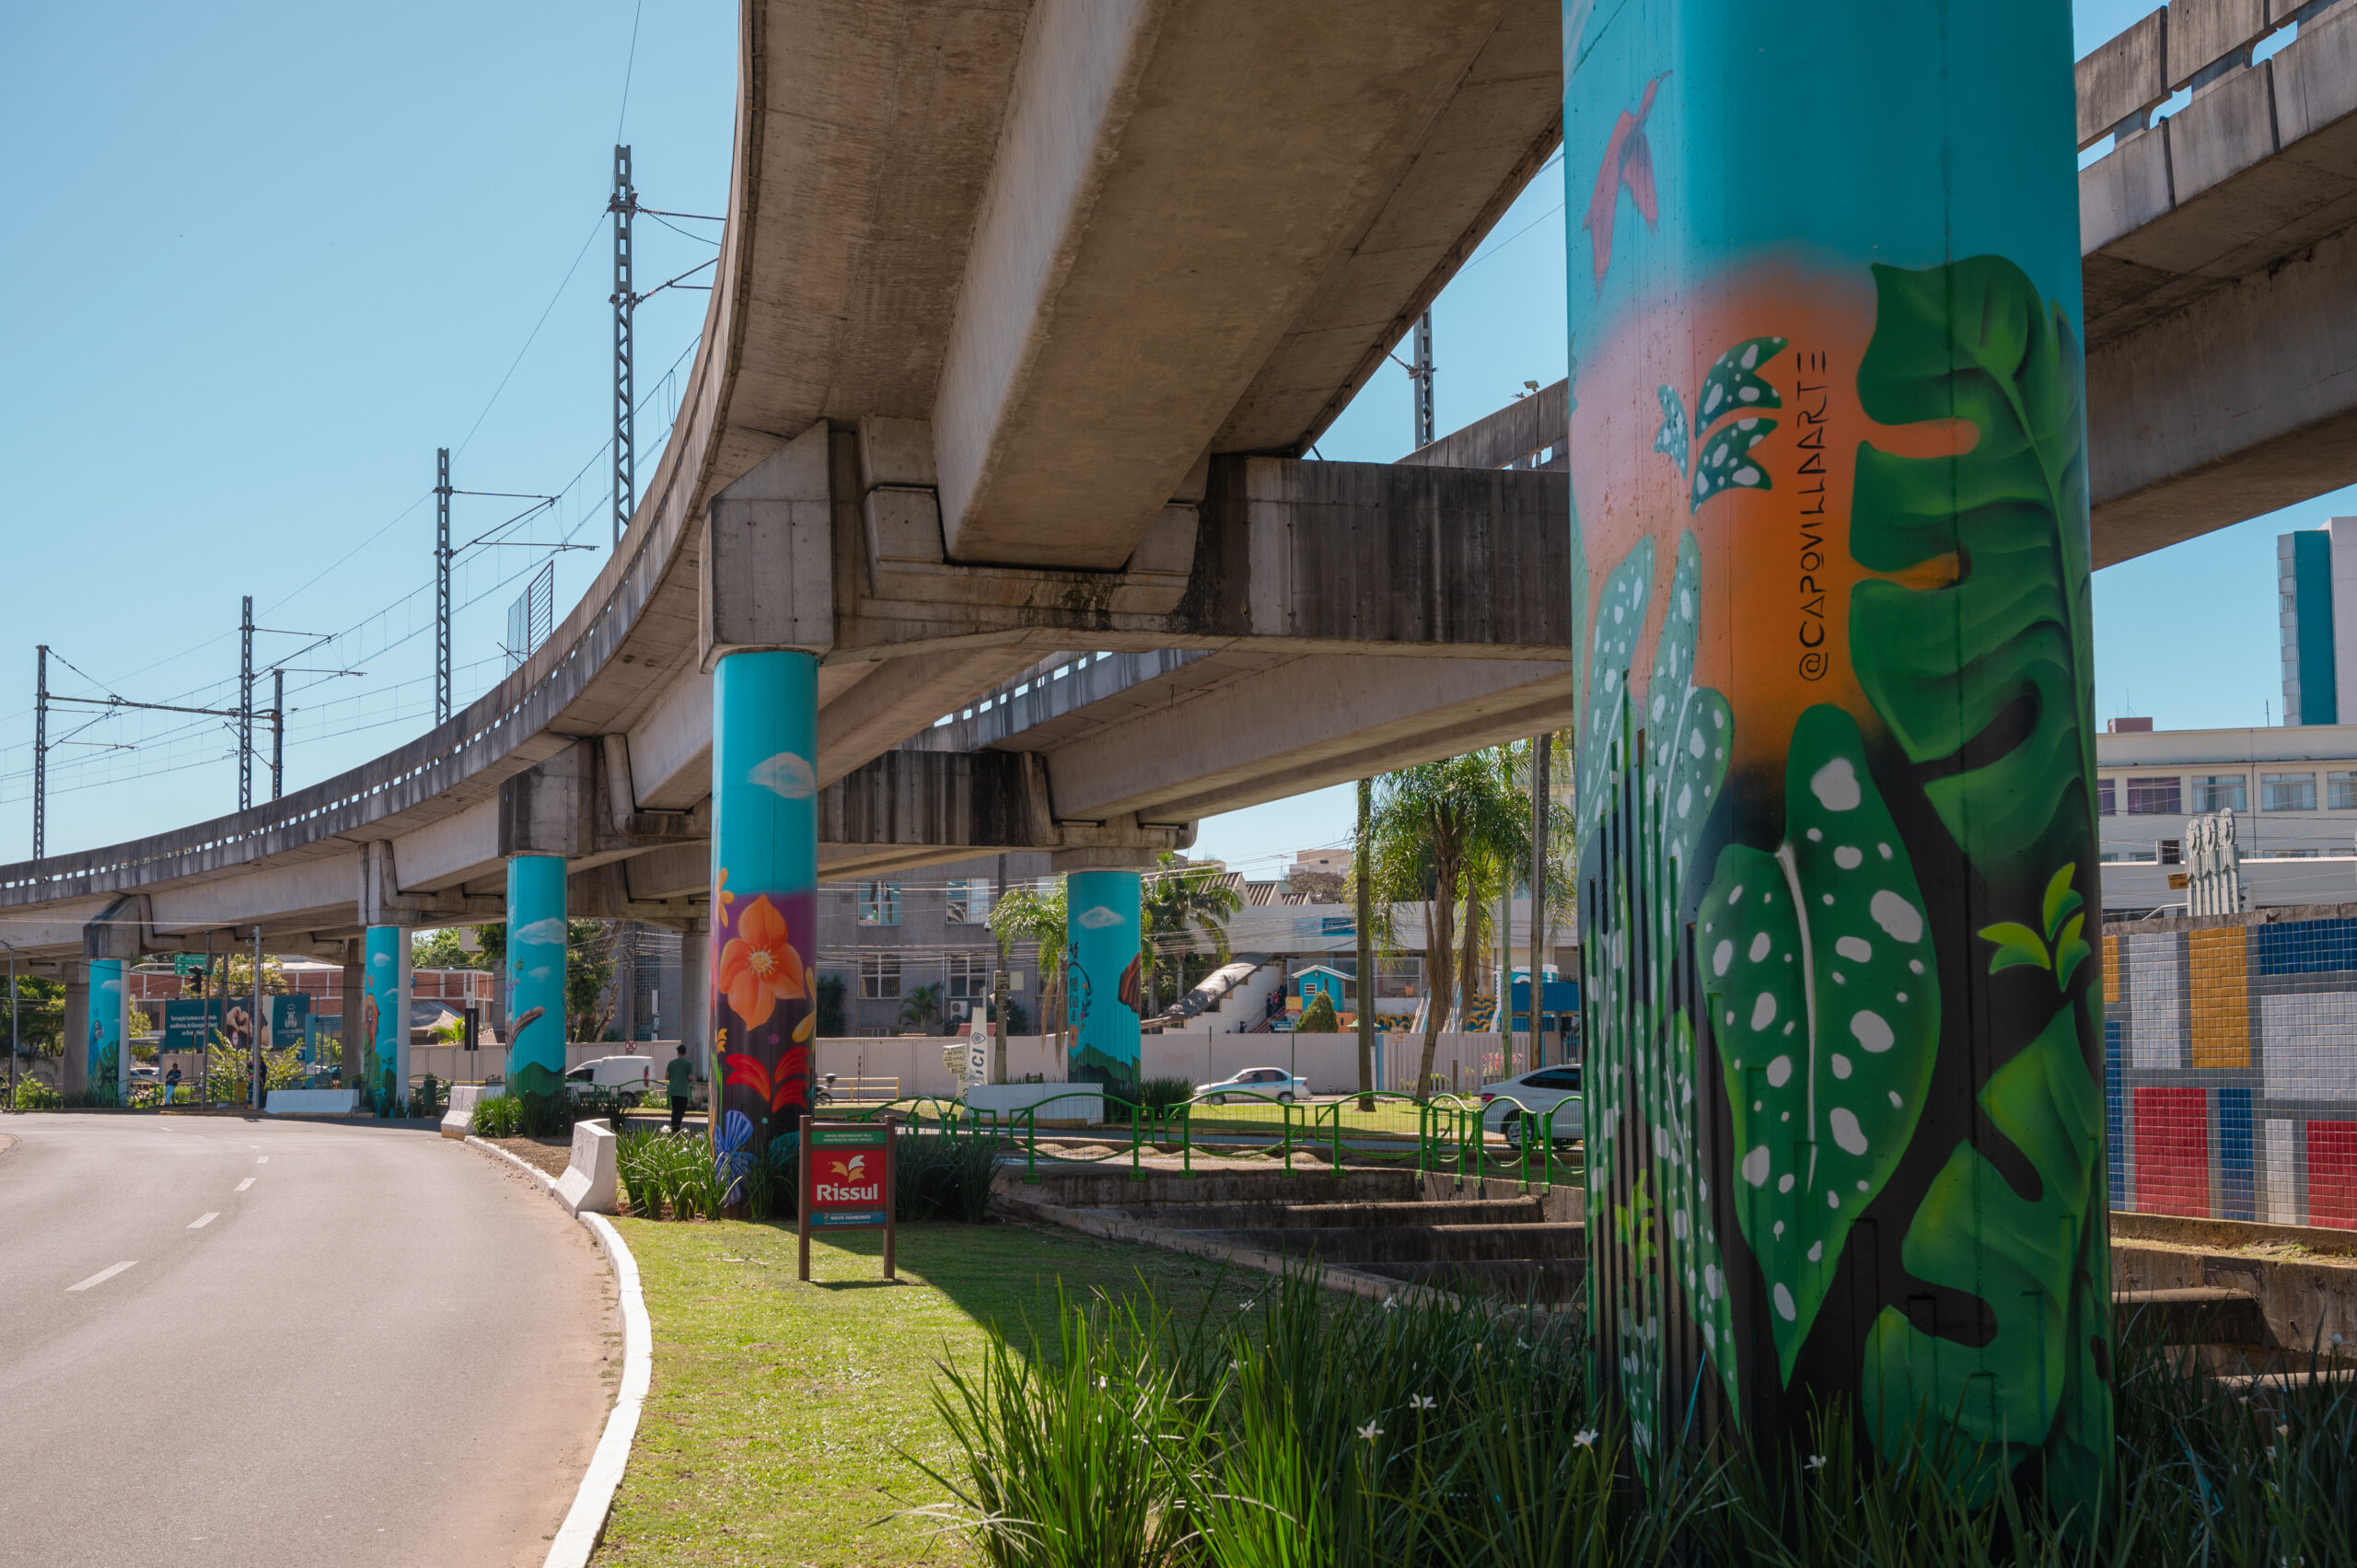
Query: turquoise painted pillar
[764,895]
[1836,847]
[384,1016]
[107,1046]
[536,959]
[1101,921]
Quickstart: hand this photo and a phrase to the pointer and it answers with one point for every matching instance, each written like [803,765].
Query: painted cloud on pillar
[548,930]
[785,775]
[1096,917]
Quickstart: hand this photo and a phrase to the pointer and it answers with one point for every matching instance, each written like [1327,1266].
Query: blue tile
[2115,1119]
[2306,946]
[2235,1172]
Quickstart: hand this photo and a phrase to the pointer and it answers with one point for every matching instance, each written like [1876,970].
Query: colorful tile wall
[2230,1055]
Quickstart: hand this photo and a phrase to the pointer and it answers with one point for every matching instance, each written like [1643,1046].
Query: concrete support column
[384,1017]
[1102,920]
[536,958]
[1829,550]
[74,1061]
[353,1043]
[764,893]
[106,1047]
[693,1009]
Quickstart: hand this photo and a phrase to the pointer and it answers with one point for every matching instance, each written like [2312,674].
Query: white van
[612,1073]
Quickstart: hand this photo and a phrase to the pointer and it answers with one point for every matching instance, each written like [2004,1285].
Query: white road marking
[103,1275]
[202,1220]
[261,1159]
[249,1181]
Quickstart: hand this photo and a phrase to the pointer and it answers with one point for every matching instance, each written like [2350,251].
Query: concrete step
[1552,1281]
[2191,1315]
[1300,1217]
[1353,1245]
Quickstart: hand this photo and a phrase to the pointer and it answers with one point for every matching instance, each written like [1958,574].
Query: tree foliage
[1180,904]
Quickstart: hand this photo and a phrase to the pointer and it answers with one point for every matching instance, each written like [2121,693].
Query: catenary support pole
[1422,377]
[536,962]
[1102,977]
[41,750]
[1828,483]
[764,895]
[277,733]
[624,204]
[442,556]
[246,705]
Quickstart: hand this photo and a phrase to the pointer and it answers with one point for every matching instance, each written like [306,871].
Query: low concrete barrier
[591,1182]
[460,1120]
[1076,1105]
[312,1102]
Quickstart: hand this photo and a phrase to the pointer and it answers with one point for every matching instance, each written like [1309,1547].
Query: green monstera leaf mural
[1819,964]
[1996,656]
[2029,1258]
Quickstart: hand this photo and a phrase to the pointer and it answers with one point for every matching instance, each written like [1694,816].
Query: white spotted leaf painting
[1818,964]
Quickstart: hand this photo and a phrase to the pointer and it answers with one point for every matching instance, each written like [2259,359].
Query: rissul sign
[847,1182]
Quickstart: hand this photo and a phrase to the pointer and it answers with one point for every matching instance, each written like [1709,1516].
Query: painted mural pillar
[764,895]
[1101,974]
[384,1017]
[536,959]
[1837,846]
[106,1043]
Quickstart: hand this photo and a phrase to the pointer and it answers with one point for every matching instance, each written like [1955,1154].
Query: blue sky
[261,259]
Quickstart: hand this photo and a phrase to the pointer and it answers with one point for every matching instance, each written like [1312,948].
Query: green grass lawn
[780,1412]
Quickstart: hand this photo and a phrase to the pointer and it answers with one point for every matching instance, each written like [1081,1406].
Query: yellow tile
[2111,969]
[2218,965]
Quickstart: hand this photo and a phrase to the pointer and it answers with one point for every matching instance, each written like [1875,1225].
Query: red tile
[2173,1152]
[2332,1173]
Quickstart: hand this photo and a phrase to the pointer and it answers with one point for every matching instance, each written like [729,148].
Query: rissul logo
[847,1181]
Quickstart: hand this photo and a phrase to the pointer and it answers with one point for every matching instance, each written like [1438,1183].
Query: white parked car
[1510,1106]
[612,1073]
[1268,1083]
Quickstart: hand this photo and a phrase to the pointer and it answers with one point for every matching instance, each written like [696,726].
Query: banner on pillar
[1829,574]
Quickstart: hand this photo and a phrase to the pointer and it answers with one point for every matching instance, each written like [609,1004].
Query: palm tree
[1025,915]
[921,1007]
[1181,902]
[1431,824]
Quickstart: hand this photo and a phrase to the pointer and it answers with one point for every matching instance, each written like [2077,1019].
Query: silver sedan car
[1514,1105]
[1268,1083]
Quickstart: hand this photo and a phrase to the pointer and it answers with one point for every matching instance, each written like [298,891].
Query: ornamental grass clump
[936,1176]
[1320,1430]
[1158,1095]
[663,1171]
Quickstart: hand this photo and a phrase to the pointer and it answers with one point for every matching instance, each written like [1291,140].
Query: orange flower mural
[759,967]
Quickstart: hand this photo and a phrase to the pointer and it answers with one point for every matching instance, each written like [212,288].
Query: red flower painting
[759,967]
[776,1090]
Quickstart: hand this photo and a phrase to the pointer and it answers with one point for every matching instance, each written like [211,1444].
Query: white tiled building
[2292,790]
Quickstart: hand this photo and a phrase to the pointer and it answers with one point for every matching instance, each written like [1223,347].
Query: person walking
[681,1073]
[172,1084]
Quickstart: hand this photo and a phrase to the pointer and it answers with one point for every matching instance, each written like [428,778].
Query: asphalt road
[238,1341]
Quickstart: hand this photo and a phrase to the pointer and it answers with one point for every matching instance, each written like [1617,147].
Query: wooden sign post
[847,1183]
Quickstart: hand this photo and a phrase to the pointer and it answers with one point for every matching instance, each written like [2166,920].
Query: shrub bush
[1320,1018]
[1158,1095]
[941,1178]
[34,1094]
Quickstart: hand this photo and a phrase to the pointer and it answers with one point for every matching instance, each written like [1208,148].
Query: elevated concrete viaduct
[1024,320]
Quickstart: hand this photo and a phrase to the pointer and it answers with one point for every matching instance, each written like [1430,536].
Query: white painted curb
[585,1520]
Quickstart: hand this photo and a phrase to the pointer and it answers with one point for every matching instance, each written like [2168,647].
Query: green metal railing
[1444,1135]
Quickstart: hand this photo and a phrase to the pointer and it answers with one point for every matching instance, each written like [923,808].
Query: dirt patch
[550,1154]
